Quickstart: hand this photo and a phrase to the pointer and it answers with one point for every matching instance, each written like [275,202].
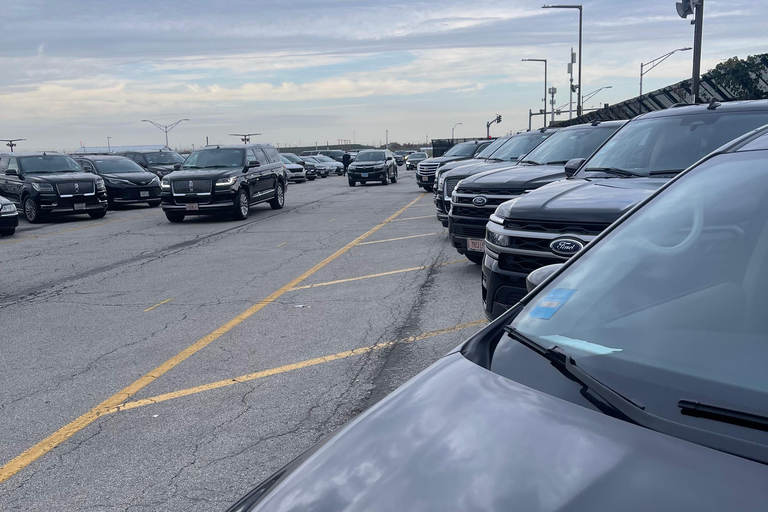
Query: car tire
[393,179]
[279,200]
[7,231]
[174,216]
[475,257]
[311,178]
[31,211]
[351,183]
[154,203]
[242,205]
[428,188]
[98,215]
[385,179]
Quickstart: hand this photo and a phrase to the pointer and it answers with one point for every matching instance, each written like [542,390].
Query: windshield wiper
[666,171]
[489,159]
[613,170]
[557,162]
[531,162]
[723,415]
[191,167]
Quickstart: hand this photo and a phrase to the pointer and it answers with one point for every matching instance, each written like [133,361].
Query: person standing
[346,160]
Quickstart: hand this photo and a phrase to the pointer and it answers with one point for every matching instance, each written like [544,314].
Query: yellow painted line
[414,218]
[158,304]
[399,238]
[392,272]
[30,237]
[288,368]
[282,244]
[52,441]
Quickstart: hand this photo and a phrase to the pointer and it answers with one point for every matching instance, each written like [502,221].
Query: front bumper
[9,220]
[425,180]
[369,175]
[441,211]
[460,229]
[297,176]
[218,202]
[125,195]
[55,205]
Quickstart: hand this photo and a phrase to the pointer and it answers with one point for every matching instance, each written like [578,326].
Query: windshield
[164,158]
[370,156]
[48,163]
[519,145]
[323,158]
[117,165]
[291,157]
[461,150]
[672,304]
[671,143]
[417,155]
[492,147]
[567,144]
[210,158]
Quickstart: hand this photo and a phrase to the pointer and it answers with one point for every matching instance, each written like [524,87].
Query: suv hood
[162,167]
[458,437]
[141,178]
[579,200]
[518,176]
[58,177]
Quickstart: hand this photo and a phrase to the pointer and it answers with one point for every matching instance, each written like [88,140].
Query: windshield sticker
[549,305]
[584,346]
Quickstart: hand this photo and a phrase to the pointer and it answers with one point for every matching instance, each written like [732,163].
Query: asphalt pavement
[152,366]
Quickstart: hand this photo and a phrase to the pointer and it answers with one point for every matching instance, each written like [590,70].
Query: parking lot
[159,366]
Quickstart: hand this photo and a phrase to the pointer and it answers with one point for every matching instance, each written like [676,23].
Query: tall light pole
[581,11]
[11,143]
[386,138]
[545,85]
[655,62]
[165,127]
[452,129]
[695,7]
[593,93]
[109,146]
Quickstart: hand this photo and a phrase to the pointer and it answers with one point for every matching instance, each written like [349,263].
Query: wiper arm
[531,162]
[723,414]
[489,159]
[557,162]
[613,170]
[666,171]
[191,167]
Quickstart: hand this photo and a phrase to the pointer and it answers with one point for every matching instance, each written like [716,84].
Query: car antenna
[713,104]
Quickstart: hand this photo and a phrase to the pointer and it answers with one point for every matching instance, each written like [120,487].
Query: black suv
[225,180]
[126,181]
[426,169]
[159,162]
[50,183]
[373,165]
[503,153]
[412,160]
[554,222]
[476,197]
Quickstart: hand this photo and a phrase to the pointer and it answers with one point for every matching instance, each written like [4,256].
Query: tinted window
[490,148]
[48,163]
[673,142]
[461,150]
[164,158]
[370,156]
[212,158]
[567,144]
[273,155]
[520,145]
[119,165]
[260,156]
[291,157]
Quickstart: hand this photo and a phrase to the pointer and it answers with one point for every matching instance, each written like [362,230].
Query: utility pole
[11,143]
[570,72]
[579,105]
[552,92]
[695,7]
[386,138]
[164,127]
[497,120]
[109,146]
[545,85]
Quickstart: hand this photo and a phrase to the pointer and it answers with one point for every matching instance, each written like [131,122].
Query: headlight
[226,182]
[42,187]
[496,239]
[440,180]
[155,181]
[100,187]
[503,211]
[8,208]
[165,184]
[379,166]
[117,181]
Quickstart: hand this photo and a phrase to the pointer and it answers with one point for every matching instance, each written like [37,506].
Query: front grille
[493,192]
[469,231]
[183,186]
[580,228]
[429,168]
[75,188]
[450,184]
[463,211]
[524,264]
[490,200]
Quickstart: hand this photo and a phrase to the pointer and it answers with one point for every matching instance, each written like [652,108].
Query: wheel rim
[280,195]
[243,203]
[30,210]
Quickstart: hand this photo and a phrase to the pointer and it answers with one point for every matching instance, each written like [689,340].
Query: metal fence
[440,146]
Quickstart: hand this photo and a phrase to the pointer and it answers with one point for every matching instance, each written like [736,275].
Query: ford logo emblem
[566,246]
[479,201]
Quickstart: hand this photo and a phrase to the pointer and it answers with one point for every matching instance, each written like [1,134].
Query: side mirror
[254,164]
[176,167]
[12,172]
[540,275]
[573,165]
[389,158]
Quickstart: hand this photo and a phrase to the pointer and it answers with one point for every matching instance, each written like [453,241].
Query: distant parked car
[294,171]
[319,168]
[414,159]
[158,162]
[332,165]
[426,170]
[373,165]
[9,217]
[126,181]
[293,158]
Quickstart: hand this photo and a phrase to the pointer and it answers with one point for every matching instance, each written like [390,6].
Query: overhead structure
[165,127]
[245,137]
[11,143]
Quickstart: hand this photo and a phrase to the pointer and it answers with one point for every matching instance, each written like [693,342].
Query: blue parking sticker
[549,305]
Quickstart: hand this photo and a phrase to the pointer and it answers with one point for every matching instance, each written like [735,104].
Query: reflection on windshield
[48,163]
[210,158]
[567,144]
[371,156]
[461,150]
[519,146]
[493,146]
[677,292]
[117,165]
[164,158]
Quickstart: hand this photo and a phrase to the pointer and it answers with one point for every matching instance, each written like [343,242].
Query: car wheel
[311,178]
[7,231]
[279,200]
[351,183]
[385,179]
[394,177]
[242,205]
[475,257]
[174,216]
[154,203]
[31,212]
[99,214]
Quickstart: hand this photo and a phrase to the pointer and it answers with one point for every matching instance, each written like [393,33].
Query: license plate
[192,207]
[476,244]
[79,206]
[364,174]
[144,193]
[425,178]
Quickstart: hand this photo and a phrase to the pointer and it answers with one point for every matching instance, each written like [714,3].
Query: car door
[276,165]
[266,176]
[13,183]
[253,174]
[3,180]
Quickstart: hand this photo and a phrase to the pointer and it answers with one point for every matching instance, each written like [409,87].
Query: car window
[212,158]
[492,147]
[519,146]
[250,156]
[88,166]
[13,164]
[273,155]
[118,165]
[48,164]
[567,144]
[461,150]
[260,156]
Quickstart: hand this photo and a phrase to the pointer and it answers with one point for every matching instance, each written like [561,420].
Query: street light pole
[109,146]
[581,11]
[545,85]
[452,130]
[165,127]
[655,62]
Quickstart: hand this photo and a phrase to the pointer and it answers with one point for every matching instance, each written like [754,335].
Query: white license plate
[364,174]
[425,178]
[144,193]
[193,207]
[475,244]
[79,206]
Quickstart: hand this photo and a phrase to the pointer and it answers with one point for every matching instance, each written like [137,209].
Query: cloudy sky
[322,70]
